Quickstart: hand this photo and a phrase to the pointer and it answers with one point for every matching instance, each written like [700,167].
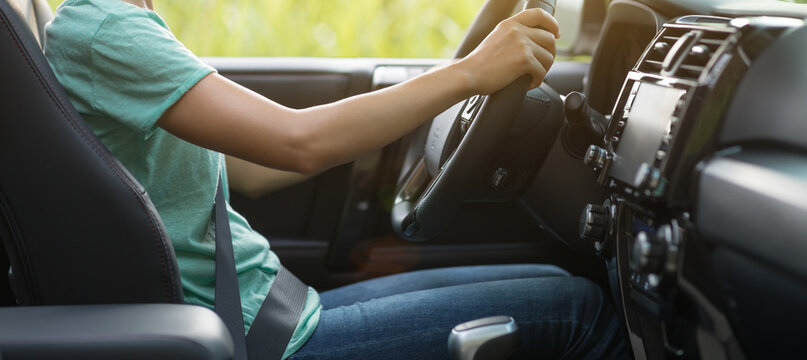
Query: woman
[167,117]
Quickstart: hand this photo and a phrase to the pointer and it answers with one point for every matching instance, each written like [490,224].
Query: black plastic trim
[756,203]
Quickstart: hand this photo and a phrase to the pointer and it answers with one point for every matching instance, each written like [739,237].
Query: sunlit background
[329,28]
[333,28]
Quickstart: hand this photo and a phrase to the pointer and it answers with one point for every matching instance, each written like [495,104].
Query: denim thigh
[431,279]
[558,317]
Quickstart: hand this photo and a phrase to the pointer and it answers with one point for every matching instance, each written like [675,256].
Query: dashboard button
[473,104]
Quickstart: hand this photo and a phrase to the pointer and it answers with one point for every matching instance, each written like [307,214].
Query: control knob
[661,48]
[594,223]
[595,157]
[701,52]
[586,125]
[649,254]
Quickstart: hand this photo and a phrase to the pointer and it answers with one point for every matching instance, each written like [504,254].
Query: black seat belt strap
[278,317]
[228,298]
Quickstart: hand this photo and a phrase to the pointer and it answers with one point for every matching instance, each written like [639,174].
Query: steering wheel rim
[423,207]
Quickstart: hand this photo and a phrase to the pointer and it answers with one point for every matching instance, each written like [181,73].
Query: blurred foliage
[328,28]
[323,28]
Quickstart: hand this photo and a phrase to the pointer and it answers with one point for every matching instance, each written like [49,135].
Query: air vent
[653,61]
[682,52]
[698,56]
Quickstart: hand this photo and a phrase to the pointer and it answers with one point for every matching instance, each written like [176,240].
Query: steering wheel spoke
[459,160]
[414,183]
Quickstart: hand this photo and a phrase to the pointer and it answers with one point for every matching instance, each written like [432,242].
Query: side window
[333,28]
[568,13]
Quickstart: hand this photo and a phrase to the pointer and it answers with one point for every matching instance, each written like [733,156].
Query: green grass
[327,28]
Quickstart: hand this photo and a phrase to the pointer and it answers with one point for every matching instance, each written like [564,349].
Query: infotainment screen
[648,121]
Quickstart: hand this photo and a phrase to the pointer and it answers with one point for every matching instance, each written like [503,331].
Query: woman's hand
[522,44]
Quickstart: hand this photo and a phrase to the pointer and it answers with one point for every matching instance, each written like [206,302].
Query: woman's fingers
[541,31]
[541,49]
[543,38]
[539,53]
[538,73]
[545,56]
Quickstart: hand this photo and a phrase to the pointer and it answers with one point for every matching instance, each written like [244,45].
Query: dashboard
[703,164]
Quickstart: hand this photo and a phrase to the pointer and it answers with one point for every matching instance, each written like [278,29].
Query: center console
[666,122]
[670,108]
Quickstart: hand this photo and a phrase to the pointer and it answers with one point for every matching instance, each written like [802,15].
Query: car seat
[76,227]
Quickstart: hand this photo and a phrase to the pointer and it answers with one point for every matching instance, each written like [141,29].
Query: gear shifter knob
[490,338]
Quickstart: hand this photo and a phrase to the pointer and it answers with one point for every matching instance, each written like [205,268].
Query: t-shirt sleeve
[140,70]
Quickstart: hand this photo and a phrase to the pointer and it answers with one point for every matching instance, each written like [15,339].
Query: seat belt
[227,296]
[280,312]
[278,317]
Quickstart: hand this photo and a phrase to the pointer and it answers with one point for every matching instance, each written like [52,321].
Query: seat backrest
[77,227]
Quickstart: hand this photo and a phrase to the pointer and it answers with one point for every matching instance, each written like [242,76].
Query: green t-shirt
[122,68]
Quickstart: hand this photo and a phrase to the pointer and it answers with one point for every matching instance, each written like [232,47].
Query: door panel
[334,228]
[298,82]
[297,212]
[567,76]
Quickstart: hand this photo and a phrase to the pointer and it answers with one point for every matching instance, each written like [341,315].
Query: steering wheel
[460,143]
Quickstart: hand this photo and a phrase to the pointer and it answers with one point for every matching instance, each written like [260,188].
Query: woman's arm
[221,115]
[254,181]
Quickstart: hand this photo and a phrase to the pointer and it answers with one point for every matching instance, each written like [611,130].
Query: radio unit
[671,105]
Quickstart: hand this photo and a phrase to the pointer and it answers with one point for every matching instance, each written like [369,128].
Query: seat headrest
[35,13]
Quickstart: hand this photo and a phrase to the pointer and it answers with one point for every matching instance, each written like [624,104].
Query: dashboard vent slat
[712,42]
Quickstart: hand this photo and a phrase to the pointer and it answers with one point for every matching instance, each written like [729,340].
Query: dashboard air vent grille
[682,52]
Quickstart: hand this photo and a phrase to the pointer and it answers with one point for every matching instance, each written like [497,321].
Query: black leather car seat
[76,226]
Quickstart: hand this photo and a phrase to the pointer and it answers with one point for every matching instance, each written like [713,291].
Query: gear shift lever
[488,338]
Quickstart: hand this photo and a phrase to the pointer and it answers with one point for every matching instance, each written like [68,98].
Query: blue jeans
[409,315]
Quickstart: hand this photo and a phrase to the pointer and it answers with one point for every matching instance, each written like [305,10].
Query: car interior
[664,158]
